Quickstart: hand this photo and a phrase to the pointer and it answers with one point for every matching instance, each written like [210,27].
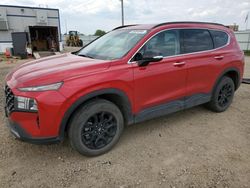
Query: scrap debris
[246,81]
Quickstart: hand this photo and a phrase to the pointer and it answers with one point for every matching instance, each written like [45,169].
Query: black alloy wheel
[99,130]
[96,127]
[225,95]
[222,95]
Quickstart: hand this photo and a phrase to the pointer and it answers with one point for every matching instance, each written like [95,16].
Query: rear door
[197,49]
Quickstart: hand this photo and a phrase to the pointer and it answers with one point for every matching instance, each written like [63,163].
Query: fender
[125,102]
[225,72]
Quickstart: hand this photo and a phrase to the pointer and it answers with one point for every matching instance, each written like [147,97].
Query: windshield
[113,45]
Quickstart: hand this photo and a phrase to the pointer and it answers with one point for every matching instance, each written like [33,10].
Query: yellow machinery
[73,39]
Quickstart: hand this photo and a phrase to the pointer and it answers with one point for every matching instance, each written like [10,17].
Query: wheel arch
[231,72]
[117,96]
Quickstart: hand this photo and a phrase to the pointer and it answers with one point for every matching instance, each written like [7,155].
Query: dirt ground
[192,148]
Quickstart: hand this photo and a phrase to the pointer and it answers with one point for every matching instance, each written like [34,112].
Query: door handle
[178,64]
[219,57]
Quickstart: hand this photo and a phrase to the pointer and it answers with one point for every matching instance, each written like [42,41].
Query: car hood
[53,69]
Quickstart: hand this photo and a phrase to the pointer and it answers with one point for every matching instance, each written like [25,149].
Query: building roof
[14,6]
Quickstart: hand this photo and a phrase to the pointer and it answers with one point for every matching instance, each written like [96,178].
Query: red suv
[132,74]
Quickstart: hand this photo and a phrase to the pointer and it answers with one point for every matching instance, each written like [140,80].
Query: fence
[243,38]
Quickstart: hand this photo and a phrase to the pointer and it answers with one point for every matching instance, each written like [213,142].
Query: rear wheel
[96,127]
[223,95]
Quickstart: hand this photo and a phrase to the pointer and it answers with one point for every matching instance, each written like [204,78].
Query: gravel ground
[192,148]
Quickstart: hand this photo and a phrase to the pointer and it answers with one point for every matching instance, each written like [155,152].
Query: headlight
[25,104]
[49,87]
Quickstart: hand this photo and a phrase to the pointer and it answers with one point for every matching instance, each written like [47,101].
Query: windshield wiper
[86,56]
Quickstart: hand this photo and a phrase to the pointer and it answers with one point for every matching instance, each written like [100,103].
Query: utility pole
[246,20]
[66,25]
[122,12]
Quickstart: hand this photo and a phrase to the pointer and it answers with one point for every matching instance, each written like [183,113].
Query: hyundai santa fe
[132,74]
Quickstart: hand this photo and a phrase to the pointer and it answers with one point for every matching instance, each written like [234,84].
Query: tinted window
[113,45]
[164,44]
[195,40]
[220,38]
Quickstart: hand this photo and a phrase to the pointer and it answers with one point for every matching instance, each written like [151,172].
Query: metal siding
[3,20]
[19,21]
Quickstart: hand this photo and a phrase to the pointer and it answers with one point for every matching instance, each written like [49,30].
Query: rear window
[220,38]
[195,40]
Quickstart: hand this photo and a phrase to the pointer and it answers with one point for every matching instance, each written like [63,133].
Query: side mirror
[138,57]
[146,61]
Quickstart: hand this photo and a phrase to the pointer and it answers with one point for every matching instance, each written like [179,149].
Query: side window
[220,38]
[163,44]
[195,40]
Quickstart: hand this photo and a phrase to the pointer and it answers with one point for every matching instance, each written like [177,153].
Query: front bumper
[39,127]
[22,135]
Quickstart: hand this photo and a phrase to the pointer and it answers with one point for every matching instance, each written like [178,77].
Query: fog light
[25,104]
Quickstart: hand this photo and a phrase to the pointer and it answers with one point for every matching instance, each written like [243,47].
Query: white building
[243,38]
[41,26]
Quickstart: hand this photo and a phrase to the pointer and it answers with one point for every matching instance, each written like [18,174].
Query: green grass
[247,53]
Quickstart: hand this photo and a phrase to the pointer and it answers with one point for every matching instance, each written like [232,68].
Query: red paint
[148,86]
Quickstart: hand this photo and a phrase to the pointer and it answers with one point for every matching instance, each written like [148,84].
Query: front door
[162,82]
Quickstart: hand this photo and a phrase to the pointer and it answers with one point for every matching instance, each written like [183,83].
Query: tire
[80,43]
[96,127]
[222,96]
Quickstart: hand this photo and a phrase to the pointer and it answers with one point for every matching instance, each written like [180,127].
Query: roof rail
[123,26]
[186,22]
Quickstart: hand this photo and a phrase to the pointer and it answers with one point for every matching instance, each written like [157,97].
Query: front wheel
[96,127]
[223,95]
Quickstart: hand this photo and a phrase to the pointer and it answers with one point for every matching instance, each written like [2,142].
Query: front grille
[9,99]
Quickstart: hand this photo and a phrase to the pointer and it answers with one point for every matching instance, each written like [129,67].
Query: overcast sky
[88,15]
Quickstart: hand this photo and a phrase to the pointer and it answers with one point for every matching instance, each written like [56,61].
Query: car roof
[136,26]
[184,23]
